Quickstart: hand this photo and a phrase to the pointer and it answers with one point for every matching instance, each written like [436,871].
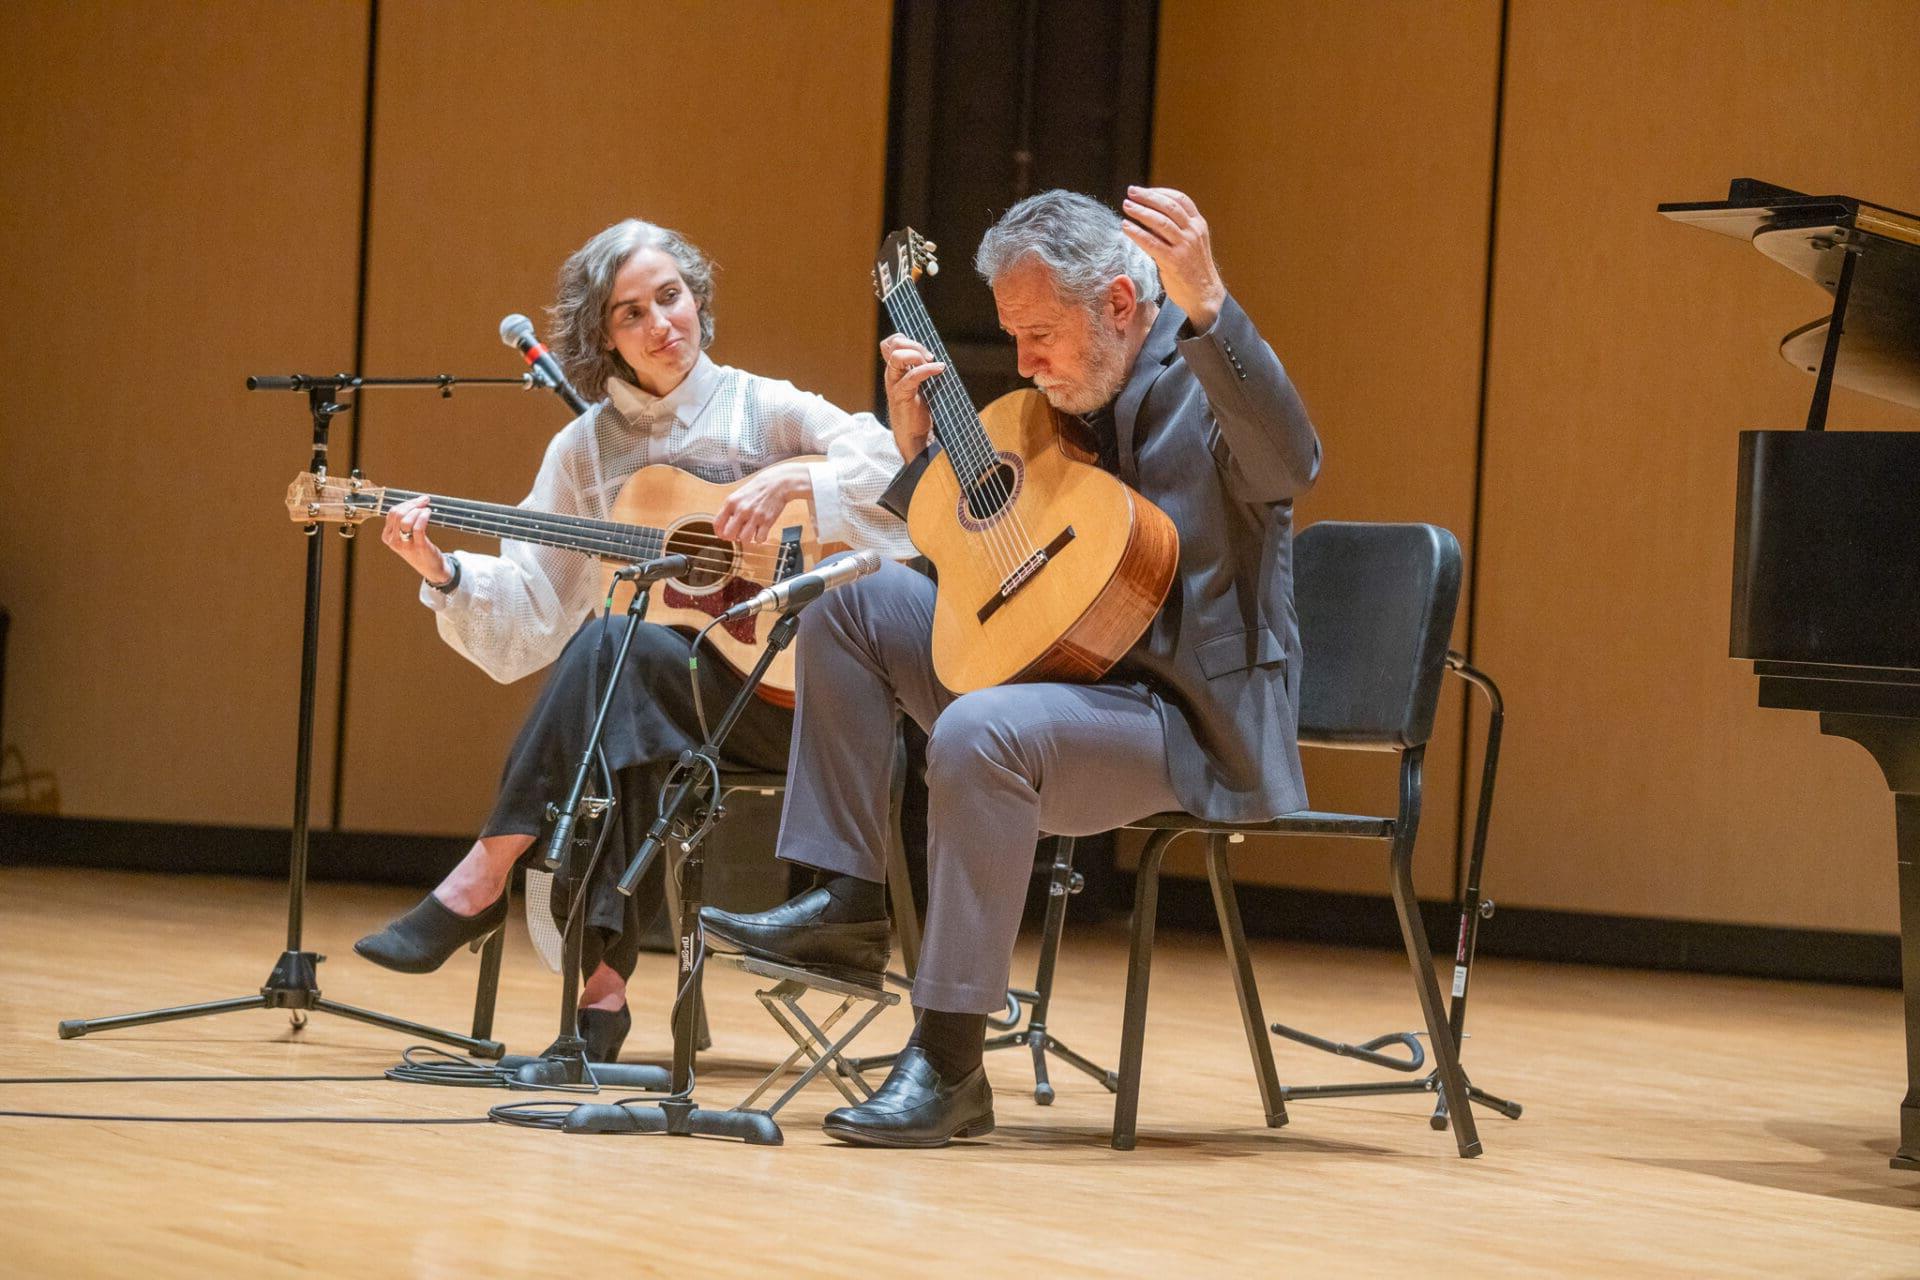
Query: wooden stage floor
[1674,1125]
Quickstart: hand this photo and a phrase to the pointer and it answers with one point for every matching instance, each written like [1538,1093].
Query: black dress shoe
[916,1108]
[798,933]
[421,940]
[604,1031]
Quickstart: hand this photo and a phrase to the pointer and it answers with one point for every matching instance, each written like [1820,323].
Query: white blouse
[513,613]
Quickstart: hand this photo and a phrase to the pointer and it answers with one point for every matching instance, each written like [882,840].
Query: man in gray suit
[1193,409]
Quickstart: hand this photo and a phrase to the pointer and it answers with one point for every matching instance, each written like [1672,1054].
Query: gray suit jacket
[1211,430]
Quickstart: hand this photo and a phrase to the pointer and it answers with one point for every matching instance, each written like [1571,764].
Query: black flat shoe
[916,1108]
[796,933]
[421,940]
[604,1030]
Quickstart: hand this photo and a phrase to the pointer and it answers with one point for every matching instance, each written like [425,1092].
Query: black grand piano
[1826,560]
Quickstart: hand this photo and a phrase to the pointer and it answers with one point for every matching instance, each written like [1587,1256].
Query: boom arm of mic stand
[569,813]
[643,576]
[779,636]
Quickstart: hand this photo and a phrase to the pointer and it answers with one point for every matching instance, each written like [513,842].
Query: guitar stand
[294,983]
[1062,882]
[1473,909]
[686,817]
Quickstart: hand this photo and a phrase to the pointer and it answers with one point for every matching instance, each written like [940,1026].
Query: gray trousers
[1003,765]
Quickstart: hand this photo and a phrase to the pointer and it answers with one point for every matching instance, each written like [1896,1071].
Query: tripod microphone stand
[677,1113]
[294,983]
[564,1062]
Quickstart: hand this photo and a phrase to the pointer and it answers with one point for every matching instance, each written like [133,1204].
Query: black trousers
[651,722]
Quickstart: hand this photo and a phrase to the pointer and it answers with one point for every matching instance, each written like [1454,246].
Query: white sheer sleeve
[861,460]
[513,613]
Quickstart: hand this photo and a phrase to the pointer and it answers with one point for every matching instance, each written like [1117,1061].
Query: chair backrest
[1376,605]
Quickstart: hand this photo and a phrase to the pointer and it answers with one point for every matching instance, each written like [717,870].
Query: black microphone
[802,587]
[653,570]
[517,332]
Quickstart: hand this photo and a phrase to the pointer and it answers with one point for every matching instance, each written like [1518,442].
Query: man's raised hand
[1166,224]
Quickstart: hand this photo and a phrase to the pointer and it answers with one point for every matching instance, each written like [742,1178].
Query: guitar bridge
[1025,573]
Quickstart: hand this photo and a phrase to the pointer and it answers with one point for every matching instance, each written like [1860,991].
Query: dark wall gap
[352,546]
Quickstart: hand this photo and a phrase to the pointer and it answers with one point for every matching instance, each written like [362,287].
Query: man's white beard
[1103,381]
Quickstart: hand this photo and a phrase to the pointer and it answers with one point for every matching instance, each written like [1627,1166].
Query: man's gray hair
[582,300]
[1077,239]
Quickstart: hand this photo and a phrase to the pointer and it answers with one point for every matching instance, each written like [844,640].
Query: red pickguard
[715,603]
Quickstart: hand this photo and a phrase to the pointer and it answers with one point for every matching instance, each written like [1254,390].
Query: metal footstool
[811,1039]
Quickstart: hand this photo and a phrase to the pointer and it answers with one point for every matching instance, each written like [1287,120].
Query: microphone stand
[294,983]
[565,1062]
[677,1113]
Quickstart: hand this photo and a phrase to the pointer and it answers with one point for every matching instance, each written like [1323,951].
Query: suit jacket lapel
[1155,355]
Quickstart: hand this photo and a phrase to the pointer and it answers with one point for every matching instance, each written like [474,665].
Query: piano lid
[1879,350]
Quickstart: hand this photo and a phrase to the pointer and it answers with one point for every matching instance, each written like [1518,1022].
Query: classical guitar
[1049,567]
[660,511]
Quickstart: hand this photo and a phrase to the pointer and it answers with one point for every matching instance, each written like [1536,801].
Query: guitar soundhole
[992,490]
[712,555]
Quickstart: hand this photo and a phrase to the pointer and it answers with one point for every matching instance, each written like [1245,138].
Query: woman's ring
[406,535]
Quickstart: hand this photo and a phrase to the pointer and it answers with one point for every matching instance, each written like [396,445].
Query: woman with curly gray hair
[632,322]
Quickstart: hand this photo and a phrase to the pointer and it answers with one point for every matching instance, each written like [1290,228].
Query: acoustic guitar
[660,511]
[1049,567]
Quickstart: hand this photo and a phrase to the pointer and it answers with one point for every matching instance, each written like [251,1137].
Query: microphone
[803,587]
[517,332]
[653,570]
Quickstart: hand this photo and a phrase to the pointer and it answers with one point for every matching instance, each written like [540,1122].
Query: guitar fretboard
[605,538]
[956,424]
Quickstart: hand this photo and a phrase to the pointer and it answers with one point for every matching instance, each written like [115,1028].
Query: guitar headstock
[904,256]
[325,499]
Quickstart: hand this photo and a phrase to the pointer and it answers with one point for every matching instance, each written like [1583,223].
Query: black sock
[854,900]
[954,1043]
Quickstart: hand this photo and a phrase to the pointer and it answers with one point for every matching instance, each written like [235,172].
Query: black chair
[1376,605]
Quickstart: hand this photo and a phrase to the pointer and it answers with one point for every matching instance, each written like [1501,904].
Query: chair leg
[1446,1053]
[486,990]
[1233,933]
[1133,1024]
[906,914]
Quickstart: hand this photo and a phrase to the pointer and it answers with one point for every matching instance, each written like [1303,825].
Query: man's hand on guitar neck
[406,532]
[750,511]
[909,365]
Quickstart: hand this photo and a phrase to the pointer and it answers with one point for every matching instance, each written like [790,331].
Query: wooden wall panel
[180,208]
[1628,352]
[1342,155]
[501,145]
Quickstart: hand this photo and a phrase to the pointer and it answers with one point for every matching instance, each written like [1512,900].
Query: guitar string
[631,544]
[980,457]
[643,541]
[970,439]
[1013,525]
[614,540]
[1006,528]
[962,452]
[997,535]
